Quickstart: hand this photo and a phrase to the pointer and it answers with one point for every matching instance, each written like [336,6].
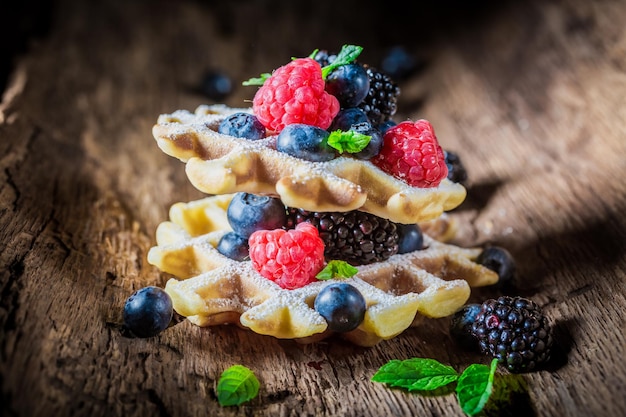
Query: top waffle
[222,164]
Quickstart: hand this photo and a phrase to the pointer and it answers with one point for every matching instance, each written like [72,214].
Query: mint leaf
[475,386]
[347,55]
[257,81]
[416,374]
[350,141]
[236,386]
[336,269]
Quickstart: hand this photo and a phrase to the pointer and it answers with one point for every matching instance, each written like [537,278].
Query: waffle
[211,289]
[219,164]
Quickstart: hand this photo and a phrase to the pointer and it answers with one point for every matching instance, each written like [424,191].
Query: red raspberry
[411,152]
[291,258]
[295,94]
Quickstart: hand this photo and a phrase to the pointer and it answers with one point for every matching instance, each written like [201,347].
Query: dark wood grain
[530,94]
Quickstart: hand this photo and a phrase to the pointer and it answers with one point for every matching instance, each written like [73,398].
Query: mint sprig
[237,385]
[474,386]
[347,55]
[348,141]
[416,374]
[336,269]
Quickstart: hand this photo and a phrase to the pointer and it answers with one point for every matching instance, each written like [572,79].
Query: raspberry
[295,94]
[291,258]
[412,153]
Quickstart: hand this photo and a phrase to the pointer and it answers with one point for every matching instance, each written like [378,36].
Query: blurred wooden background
[530,94]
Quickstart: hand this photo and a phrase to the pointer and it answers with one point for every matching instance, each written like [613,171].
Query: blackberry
[324,58]
[456,169]
[380,104]
[356,237]
[515,331]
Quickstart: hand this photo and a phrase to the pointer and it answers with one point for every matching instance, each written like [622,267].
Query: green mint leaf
[257,81]
[336,269]
[475,386]
[350,141]
[312,56]
[237,385]
[416,374]
[347,55]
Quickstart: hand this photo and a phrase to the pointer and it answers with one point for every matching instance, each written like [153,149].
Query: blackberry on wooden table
[514,331]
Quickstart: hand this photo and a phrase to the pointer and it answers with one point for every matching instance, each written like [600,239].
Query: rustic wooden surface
[530,94]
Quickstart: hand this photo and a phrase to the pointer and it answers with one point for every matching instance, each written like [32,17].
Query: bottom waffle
[212,289]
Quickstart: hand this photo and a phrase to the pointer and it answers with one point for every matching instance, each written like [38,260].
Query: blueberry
[216,85]
[234,246]
[242,125]
[305,142]
[461,326]
[148,311]
[386,125]
[410,238]
[376,140]
[248,213]
[456,169]
[342,305]
[348,117]
[349,83]
[399,63]
[499,260]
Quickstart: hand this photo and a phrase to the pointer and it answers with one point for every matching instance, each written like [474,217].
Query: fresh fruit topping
[242,125]
[461,326]
[216,85]
[412,153]
[514,331]
[295,93]
[349,83]
[291,258]
[380,104]
[500,261]
[342,305]
[348,117]
[148,311]
[233,246]
[375,140]
[248,213]
[410,238]
[356,237]
[305,142]
[456,169]
[336,269]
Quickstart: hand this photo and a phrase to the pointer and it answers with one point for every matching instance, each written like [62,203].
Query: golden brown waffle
[220,164]
[212,289]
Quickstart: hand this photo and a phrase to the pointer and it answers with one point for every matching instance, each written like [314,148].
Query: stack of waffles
[211,289]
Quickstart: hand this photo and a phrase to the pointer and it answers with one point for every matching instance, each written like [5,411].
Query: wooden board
[530,94]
